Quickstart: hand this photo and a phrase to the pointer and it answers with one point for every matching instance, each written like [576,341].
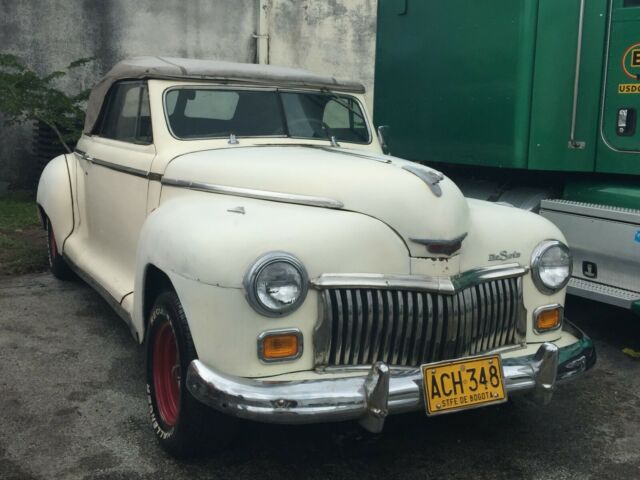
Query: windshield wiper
[344,103]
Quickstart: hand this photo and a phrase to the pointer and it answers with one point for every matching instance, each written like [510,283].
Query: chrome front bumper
[372,396]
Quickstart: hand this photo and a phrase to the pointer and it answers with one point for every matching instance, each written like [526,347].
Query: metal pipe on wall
[262,32]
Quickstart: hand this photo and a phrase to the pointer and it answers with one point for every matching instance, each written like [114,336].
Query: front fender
[502,235]
[55,197]
[206,248]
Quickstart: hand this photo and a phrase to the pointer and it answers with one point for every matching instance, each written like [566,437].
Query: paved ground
[72,406]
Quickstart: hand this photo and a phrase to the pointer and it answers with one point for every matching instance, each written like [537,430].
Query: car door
[114,169]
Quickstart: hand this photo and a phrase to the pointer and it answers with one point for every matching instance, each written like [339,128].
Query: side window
[632,3]
[126,114]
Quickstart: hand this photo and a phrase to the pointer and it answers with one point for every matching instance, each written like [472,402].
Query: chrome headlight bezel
[536,259]
[252,275]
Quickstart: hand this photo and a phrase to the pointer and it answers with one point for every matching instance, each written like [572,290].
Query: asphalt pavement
[72,406]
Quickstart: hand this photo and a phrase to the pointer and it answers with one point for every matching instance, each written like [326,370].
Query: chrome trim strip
[418,316]
[369,326]
[136,172]
[280,331]
[423,283]
[254,193]
[322,331]
[339,335]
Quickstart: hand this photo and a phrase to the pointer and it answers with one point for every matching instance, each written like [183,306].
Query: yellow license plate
[460,384]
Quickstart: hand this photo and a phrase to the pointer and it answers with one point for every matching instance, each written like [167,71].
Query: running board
[603,293]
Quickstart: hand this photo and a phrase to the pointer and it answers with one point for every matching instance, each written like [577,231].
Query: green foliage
[25,96]
[23,242]
[18,210]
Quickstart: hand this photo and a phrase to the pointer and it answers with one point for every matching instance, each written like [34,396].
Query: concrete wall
[328,36]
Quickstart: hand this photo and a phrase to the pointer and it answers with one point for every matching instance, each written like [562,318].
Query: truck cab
[532,103]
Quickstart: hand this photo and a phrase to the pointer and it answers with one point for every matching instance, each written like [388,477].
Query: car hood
[424,207]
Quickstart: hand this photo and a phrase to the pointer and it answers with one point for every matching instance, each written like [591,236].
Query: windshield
[194,112]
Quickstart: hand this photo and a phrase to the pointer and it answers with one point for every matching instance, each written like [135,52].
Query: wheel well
[156,282]
[43,216]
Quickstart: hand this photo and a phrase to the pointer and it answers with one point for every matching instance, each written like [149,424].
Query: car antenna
[233,140]
[334,142]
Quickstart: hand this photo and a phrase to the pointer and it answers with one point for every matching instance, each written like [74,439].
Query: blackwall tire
[57,264]
[183,426]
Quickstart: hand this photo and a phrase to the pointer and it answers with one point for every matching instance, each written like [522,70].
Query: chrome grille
[410,327]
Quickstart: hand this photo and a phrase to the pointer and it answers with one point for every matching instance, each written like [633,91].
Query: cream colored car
[279,267]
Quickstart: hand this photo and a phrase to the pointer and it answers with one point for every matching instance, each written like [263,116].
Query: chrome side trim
[253,193]
[422,283]
[118,168]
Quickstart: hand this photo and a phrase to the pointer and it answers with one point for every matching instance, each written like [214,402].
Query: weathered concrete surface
[49,34]
[72,406]
[334,37]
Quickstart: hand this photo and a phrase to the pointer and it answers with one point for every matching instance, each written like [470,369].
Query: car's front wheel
[182,424]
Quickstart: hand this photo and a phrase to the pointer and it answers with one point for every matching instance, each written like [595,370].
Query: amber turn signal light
[548,318]
[280,346]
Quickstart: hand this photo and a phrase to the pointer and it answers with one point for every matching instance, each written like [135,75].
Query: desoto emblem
[503,255]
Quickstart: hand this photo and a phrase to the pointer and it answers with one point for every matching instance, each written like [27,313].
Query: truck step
[606,212]
[602,293]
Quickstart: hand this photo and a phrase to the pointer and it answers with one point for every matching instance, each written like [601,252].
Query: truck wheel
[57,263]
[184,426]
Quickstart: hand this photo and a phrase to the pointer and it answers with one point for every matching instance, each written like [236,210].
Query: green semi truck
[534,103]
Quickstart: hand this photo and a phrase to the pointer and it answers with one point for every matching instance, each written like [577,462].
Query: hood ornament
[431,177]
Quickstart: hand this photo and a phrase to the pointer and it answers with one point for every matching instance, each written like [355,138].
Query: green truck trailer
[534,103]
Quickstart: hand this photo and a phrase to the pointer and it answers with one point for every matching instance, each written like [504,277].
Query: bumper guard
[382,391]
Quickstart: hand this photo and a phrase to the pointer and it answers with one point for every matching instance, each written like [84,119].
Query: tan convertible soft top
[189,68]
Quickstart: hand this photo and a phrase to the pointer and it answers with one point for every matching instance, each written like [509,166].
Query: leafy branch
[25,95]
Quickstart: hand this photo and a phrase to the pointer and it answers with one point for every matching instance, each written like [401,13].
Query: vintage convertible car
[279,267]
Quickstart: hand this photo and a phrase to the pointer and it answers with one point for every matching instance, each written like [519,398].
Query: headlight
[276,284]
[551,266]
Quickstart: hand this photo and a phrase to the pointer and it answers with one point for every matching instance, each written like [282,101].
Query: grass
[22,239]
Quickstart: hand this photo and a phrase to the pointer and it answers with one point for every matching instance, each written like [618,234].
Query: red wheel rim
[166,374]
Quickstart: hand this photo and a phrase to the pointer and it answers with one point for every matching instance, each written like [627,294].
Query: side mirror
[383,133]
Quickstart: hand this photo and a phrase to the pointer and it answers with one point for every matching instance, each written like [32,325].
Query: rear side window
[632,3]
[126,115]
